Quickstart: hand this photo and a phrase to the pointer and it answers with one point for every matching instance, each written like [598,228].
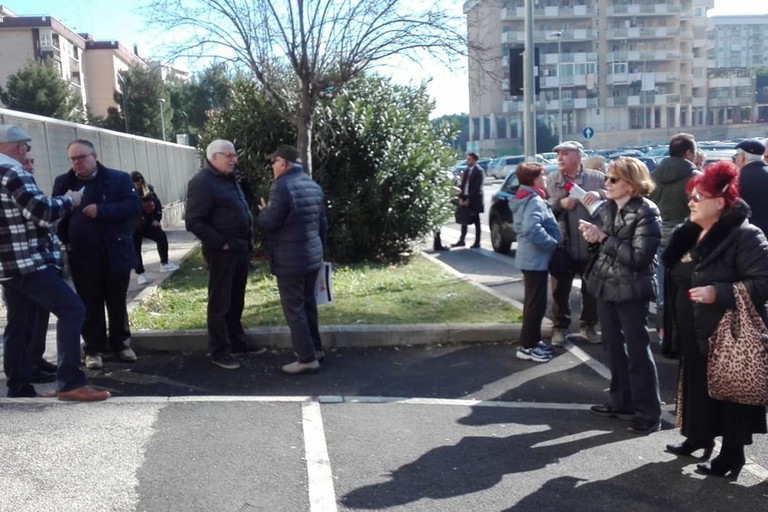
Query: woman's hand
[591,233]
[702,294]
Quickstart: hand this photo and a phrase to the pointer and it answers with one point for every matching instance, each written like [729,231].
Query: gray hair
[217,146]
[749,157]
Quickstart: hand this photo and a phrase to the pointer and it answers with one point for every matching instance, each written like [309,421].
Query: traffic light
[516,61]
[516,70]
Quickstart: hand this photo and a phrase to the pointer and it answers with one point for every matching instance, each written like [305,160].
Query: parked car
[504,165]
[718,155]
[500,216]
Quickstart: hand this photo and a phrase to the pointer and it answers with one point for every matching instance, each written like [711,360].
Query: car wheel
[497,237]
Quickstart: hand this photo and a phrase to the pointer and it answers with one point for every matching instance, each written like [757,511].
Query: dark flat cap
[287,153]
[752,146]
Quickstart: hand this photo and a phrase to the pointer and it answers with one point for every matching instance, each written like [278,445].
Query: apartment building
[621,71]
[105,63]
[92,67]
[36,38]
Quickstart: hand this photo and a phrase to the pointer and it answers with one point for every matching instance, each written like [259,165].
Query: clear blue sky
[121,20]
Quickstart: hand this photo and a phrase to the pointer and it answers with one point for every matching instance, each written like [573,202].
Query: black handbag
[560,264]
[465,215]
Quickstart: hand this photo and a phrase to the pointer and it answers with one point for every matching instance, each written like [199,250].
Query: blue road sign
[588,132]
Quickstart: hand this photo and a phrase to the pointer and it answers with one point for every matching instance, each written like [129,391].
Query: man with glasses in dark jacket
[218,214]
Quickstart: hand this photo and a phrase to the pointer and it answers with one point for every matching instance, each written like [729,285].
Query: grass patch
[415,292]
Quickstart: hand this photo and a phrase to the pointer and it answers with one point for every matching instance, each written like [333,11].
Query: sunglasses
[697,198]
[612,179]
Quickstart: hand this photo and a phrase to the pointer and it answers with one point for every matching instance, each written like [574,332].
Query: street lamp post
[559,36]
[162,116]
[124,86]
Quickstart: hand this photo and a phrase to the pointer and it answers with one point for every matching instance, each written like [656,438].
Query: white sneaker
[558,337]
[93,362]
[142,279]
[296,367]
[168,267]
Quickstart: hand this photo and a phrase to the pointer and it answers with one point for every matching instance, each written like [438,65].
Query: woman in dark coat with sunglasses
[622,275]
[714,248]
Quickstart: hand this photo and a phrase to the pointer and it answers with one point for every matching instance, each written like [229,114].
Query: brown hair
[527,172]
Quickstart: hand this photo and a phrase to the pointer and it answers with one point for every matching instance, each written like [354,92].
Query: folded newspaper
[579,193]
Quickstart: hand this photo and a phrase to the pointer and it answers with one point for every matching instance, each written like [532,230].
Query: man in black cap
[293,219]
[30,263]
[218,214]
[753,180]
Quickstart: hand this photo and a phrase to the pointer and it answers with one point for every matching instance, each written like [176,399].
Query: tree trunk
[304,125]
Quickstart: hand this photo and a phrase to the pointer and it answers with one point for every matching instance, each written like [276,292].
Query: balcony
[643,10]
[643,33]
[621,101]
[576,11]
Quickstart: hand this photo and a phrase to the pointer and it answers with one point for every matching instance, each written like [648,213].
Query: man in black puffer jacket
[295,225]
[218,214]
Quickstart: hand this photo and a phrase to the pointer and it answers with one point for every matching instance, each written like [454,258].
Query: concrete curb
[337,336]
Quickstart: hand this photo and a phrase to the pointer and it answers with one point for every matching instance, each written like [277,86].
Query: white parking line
[322,495]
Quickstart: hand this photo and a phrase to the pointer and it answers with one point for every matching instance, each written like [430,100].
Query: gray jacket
[568,221]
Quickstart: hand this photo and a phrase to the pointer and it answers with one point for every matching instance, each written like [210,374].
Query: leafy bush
[378,158]
[381,163]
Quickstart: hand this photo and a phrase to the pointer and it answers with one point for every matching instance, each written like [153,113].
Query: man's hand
[262,203]
[568,203]
[91,211]
[76,196]
[591,197]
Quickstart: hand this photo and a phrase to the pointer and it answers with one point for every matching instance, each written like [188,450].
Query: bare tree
[300,50]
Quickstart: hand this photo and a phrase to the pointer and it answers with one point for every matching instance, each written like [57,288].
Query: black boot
[728,463]
[437,244]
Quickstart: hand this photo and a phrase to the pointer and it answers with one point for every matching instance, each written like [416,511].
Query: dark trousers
[24,295]
[634,379]
[97,287]
[155,233]
[534,306]
[561,299]
[37,334]
[464,227]
[227,278]
[297,296]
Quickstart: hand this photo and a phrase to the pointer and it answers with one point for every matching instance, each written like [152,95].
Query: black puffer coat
[295,224]
[624,266]
[733,250]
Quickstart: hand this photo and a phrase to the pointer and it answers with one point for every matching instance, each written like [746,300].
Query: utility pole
[529,93]
[559,36]
[161,101]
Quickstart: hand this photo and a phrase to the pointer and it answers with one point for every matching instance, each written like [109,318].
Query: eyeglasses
[226,155]
[697,198]
[79,158]
[27,147]
[612,179]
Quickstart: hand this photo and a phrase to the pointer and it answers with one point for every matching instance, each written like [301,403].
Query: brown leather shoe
[83,394]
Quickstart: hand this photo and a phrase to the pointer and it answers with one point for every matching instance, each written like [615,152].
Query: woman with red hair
[713,249]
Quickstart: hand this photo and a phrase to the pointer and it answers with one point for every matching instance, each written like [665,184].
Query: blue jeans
[23,295]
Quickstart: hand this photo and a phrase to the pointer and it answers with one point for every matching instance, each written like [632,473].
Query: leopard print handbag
[737,363]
